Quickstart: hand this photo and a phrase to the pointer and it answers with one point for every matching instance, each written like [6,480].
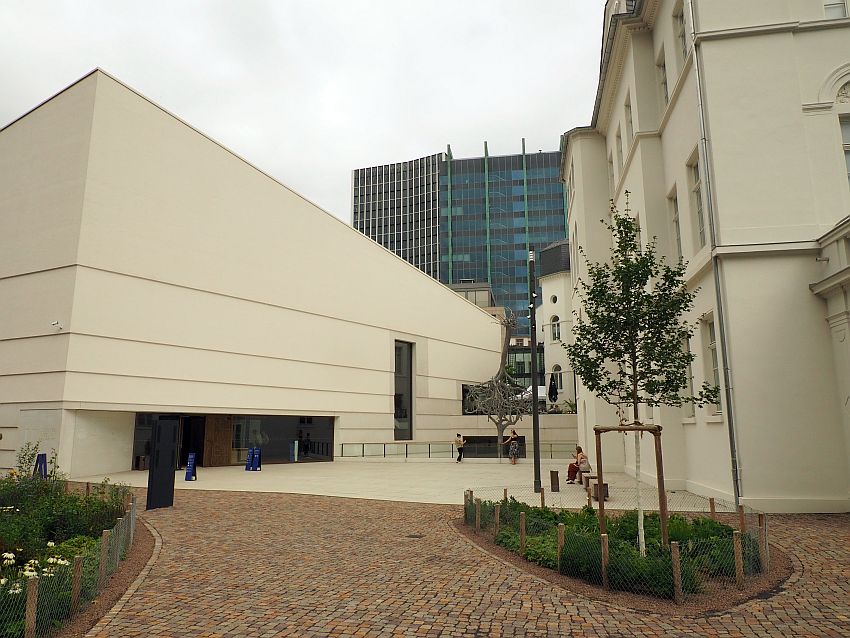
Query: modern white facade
[723,120]
[144,268]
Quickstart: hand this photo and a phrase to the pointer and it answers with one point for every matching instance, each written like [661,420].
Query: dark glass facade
[397,206]
[466,220]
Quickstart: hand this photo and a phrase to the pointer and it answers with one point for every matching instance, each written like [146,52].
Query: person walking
[512,442]
[459,443]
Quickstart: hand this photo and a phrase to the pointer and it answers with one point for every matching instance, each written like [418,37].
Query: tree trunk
[635,406]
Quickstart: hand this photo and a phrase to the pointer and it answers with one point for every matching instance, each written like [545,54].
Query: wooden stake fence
[104,558]
[604,539]
[560,543]
[498,518]
[739,559]
[76,583]
[678,595]
[32,607]
[522,533]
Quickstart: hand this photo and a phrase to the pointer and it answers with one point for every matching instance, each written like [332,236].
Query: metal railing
[444,450]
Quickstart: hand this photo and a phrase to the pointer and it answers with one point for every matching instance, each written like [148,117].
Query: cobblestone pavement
[263,564]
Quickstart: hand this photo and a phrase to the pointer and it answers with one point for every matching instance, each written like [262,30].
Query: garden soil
[713,600]
[128,570]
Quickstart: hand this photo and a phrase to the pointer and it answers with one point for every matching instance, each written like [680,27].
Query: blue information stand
[293,451]
[191,470]
[40,468]
[254,462]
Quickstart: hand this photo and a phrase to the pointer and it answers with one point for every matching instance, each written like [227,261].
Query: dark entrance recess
[192,439]
[163,461]
[486,447]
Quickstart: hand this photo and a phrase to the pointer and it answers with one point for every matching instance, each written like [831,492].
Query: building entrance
[224,439]
[191,439]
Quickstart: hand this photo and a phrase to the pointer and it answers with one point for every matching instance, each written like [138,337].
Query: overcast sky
[308,90]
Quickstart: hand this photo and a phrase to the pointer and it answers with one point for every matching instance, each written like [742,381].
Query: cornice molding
[840,231]
[837,280]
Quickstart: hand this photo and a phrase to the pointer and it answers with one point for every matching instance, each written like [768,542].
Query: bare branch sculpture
[501,398]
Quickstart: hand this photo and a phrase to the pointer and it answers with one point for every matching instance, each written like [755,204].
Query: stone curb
[98,630]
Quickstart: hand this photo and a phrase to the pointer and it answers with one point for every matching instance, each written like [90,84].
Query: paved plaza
[434,481]
[240,563]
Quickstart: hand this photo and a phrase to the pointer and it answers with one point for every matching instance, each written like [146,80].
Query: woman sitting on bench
[581,464]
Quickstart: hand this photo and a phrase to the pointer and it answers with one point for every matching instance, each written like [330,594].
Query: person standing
[459,443]
[512,442]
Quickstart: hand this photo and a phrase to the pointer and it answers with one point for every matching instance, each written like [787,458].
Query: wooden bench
[587,478]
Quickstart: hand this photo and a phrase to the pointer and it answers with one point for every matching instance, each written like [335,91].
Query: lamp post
[535,416]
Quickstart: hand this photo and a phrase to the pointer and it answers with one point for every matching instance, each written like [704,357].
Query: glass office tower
[397,206]
[468,220]
[492,210]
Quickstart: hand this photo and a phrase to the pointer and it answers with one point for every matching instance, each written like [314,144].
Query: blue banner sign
[257,464]
[191,470]
[40,468]
[249,461]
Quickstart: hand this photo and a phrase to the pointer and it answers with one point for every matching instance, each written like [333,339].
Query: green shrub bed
[706,548]
[42,529]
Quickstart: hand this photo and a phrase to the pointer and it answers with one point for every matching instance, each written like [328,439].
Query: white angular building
[146,269]
[728,123]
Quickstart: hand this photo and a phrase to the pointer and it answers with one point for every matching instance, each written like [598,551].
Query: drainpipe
[715,258]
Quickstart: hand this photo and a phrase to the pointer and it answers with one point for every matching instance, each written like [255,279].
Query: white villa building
[728,122]
[145,269]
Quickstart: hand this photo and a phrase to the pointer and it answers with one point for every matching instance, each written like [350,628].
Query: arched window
[559,378]
[556,328]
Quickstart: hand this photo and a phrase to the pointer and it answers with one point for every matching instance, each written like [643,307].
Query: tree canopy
[630,339]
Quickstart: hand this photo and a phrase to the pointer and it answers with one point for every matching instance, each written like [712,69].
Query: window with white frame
[689,388]
[835,9]
[556,328]
[676,235]
[679,29]
[696,202]
[559,377]
[845,140]
[610,175]
[630,131]
[661,70]
[711,362]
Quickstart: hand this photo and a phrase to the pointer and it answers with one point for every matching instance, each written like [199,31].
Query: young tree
[629,340]
[501,398]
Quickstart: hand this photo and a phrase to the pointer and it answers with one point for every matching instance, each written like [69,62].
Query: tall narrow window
[661,70]
[679,30]
[610,176]
[689,407]
[559,377]
[845,139]
[403,399]
[696,203]
[674,221]
[556,328]
[835,9]
[630,131]
[712,367]
[619,151]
